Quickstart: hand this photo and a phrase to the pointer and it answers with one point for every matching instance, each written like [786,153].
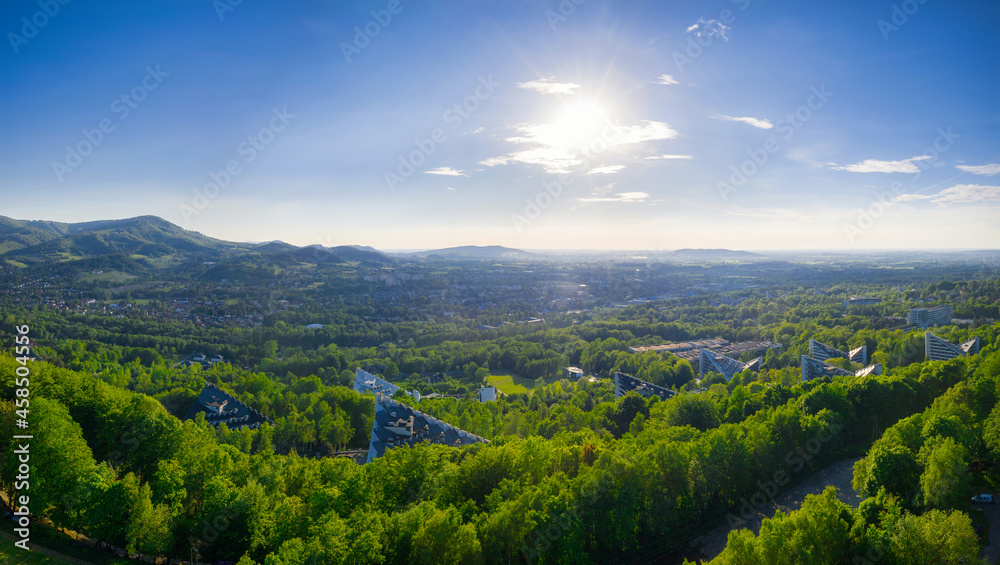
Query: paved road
[838,475]
[992,551]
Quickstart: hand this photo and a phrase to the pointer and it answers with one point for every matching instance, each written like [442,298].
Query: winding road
[837,474]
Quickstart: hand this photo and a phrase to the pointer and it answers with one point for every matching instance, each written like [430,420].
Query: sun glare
[576,124]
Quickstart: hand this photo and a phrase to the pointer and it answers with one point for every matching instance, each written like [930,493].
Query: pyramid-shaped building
[397,424]
[815,369]
[822,352]
[221,407]
[625,384]
[938,349]
[711,361]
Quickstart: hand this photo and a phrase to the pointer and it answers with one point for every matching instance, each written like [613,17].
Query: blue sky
[580,125]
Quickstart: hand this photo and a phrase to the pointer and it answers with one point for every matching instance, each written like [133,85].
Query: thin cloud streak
[446,171]
[985,170]
[876,166]
[755,122]
[620,197]
[549,86]
[958,194]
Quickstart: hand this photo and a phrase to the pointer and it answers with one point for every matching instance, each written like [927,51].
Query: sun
[577,124]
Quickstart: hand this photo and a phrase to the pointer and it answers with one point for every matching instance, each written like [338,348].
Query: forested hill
[474,252]
[37,241]
[33,242]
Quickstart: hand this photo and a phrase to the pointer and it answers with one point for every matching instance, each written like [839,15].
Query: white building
[487,394]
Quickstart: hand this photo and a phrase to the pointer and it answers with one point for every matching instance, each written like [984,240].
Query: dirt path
[838,475]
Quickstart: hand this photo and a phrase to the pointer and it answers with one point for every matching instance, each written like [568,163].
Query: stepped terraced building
[365,382]
[397,424]
[822,352]
[625,384]
[691,350]
[709,361]
[816,368]
[938,349]
[220,407]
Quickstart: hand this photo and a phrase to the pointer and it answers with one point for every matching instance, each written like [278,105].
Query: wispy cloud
[553,159]
[547,145]
[876,166]
[967,193]
[550,86]
[607,170]
[910,197]
[479,129]
[985,170]
[959,194]
[620,197]
[711,28]
[647,130]
[494,161]
[666,80]
[668,157]
[446,171]
[755,122]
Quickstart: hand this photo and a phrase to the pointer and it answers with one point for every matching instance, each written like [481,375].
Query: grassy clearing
[49,547]
[14,556]
[508,384]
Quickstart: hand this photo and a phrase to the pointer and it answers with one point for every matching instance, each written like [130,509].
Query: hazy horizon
[570,250]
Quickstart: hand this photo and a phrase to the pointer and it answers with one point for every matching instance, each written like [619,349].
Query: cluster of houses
[203,360]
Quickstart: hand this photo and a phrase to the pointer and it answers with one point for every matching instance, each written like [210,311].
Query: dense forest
[570,474]
[617,480]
